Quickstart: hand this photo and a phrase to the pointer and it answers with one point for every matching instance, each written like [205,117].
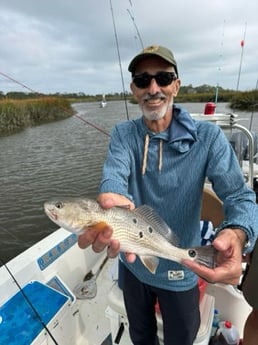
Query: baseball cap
[155,50]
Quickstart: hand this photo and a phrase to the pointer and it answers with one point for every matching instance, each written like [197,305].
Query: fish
[141,231]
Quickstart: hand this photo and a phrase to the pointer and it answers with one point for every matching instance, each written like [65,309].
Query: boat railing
[229,121]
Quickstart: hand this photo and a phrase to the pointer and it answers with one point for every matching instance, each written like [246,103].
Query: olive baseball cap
[155,50]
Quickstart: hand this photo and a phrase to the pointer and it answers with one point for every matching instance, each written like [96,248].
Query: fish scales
[141,231]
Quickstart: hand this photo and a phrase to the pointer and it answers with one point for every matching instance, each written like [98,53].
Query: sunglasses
[142,81]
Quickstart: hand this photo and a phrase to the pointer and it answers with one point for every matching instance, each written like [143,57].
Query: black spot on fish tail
[192,253]
[205,255]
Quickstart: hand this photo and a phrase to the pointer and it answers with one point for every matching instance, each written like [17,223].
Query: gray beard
[154,116]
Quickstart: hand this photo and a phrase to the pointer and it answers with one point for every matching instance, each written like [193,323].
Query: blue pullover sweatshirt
[191,151]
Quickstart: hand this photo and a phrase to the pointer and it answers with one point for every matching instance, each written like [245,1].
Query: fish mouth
[51,214]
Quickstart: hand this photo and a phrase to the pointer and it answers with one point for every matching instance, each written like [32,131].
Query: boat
[103,102]
[56,293]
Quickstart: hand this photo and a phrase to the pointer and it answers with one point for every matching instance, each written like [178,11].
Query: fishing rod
[64,109]
[119,59]
[26,298]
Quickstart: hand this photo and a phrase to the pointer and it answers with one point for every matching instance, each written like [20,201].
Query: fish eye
[141,234]
[192,253]
[150,229]
[59,204]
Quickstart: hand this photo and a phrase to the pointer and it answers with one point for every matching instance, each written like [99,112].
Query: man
[250,291]
[162,159]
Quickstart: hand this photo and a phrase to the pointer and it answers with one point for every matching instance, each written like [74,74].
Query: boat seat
[212,208]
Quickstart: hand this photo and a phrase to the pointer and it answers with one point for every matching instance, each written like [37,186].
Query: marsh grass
[16,115]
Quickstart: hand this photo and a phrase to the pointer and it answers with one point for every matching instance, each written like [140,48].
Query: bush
[16,115]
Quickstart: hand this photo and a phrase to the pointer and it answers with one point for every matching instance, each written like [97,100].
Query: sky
[85,46]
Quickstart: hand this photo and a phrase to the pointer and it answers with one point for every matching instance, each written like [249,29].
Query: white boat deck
[92,317]
[91,321]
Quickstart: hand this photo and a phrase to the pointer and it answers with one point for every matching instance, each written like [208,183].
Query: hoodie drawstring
[160,154]
[145,154]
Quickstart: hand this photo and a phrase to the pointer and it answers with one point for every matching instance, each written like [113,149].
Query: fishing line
[136,27]
[18,82]
[220,64]
[88,123]
[29,302]
[16,238]
[65,110]
[119,59]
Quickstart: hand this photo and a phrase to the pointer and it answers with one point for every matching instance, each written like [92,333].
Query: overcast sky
[69,46]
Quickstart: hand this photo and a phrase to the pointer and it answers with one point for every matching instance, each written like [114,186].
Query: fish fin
[150,262]
[206,255]
[100,226]
[155,221]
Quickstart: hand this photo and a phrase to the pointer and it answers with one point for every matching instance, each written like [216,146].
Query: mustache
[157,95]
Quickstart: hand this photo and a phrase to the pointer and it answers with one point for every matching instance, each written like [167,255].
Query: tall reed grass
[16,115]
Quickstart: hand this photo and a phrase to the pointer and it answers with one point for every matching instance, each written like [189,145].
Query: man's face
[155,100]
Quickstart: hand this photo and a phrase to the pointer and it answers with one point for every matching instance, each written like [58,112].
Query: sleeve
[117,167]
[239,201]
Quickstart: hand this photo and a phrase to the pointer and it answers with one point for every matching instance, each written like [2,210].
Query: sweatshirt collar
[180,134]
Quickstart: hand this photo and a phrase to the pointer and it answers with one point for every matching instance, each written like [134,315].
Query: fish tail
[206,255]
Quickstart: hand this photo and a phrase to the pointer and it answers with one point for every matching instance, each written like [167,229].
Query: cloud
[64,46]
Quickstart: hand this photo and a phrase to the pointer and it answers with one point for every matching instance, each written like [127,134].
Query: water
[63,158]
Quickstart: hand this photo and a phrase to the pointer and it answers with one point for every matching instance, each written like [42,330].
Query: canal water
[62,158]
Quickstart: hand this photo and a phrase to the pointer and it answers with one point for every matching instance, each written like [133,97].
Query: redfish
[141,231]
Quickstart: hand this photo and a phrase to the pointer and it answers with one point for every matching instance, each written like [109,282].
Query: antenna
[242,43]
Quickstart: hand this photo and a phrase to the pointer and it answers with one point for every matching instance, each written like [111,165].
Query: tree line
[241,100]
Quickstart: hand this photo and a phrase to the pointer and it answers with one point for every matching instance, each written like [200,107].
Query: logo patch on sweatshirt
[176,275]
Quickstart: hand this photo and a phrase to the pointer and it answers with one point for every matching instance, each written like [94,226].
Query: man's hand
[229,244]
[102,239]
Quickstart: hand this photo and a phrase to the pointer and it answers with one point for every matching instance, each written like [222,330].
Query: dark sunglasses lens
[142,81]
[164,78]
